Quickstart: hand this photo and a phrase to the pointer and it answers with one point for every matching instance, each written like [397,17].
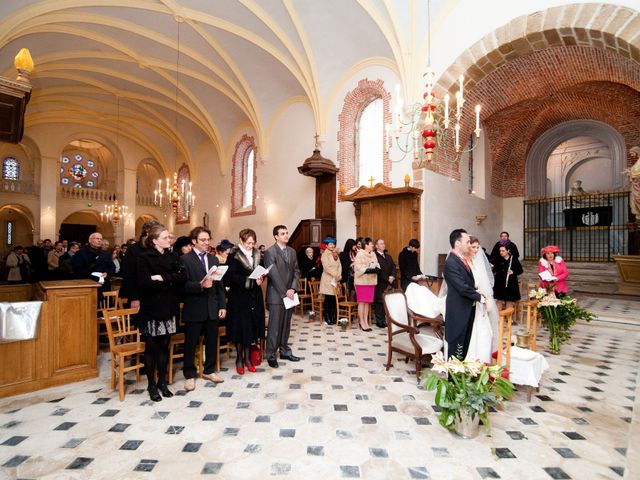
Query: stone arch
[536,163]
[599,25]
[23,226]
[354,102]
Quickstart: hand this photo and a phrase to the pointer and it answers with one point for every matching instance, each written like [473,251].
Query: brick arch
[354,103]
[602,26]
[512,131]
[242,148]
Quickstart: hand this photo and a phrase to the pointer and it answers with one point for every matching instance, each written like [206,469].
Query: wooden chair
[125,346]
[504,344]
[304,296]
[316,300]
[528,316]
[110,301]
[404,335]
[227,347]
[345,308]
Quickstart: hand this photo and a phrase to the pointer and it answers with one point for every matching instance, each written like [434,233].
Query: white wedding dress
[483,340]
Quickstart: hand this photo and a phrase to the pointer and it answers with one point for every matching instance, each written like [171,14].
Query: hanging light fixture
[431,119]
[179,197]
[114,212]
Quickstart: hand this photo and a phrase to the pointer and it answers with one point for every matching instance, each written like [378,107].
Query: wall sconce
[480,219]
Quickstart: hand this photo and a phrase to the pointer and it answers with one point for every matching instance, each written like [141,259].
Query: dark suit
[387,269]
[460,308]
[200,313]
[284,275]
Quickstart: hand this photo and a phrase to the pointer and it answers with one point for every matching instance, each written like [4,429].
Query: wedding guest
[204,306]
[128,267]
[553,263]
[365,283]
[408,264]
[506,270]
[283,282]
[19,265]
[222,251]
[503,242]
[160,275]
[347,257]
[53,259]
[94,263]
[245,306]
[309,264]
[66,266]
[386,277]
[331,276]
[183,245]
[115,258]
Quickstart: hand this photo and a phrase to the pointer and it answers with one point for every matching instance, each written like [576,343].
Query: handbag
[256,355]
[375,270]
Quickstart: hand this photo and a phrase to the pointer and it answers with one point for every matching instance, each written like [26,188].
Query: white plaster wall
[284,196]
[513,221]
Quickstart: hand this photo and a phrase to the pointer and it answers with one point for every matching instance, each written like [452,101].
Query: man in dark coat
[461,296]
[204,306]
[283,282]
[386,277]
[408,264]
[503,242]
[94,263]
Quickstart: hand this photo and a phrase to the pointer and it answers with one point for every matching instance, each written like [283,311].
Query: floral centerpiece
[560,314]
[343,323]
[465,390]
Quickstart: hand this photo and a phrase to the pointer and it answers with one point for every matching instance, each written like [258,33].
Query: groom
[461,296]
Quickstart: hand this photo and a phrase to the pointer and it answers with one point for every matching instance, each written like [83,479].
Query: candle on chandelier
[446,111]
[478,118]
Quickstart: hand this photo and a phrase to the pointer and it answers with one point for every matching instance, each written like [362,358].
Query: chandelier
[177,194]
[115,212]
[426,127]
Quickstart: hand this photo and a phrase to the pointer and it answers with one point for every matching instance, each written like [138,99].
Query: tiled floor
[336,414]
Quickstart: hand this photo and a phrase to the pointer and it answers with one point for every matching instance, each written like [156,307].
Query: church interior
[387,119]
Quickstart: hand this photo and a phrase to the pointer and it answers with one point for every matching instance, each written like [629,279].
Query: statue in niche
[576,189]
[633,174]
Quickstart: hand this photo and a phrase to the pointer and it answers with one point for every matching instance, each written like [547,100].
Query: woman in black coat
[506,269]
[159,277]
[245,308]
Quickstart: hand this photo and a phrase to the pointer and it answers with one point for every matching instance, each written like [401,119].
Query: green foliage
[466,388]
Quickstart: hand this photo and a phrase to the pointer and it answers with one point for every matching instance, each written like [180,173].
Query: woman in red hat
[553,263]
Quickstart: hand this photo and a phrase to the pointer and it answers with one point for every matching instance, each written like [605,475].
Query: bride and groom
[465,300]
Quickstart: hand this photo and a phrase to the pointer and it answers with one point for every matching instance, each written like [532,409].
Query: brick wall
[539,70]
[354,102]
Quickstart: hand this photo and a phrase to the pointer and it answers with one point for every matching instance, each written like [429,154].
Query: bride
[423,302]
[483,341]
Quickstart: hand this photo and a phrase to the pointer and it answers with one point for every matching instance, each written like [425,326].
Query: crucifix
[317,137]
[371,179]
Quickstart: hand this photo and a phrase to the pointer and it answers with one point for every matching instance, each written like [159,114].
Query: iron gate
[587,227]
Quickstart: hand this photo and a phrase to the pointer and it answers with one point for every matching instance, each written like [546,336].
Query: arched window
[11,169]
[243,177]
[370,145]
[247,179]
[78,171]
[361,152]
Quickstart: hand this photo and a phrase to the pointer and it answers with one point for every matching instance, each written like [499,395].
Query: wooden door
[389,213]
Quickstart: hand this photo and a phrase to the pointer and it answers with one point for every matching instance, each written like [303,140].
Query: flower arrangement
[466,389]
[343,322]
[560,314]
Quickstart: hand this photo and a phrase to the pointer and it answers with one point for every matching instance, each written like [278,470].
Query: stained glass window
[79,171]
[247,180]
[11,169]
[9,232]
[370,146]
[184,210]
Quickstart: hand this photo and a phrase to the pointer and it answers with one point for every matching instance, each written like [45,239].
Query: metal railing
[586,227]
